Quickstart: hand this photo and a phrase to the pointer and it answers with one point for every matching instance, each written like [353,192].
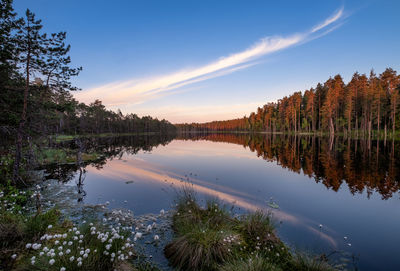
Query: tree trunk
[356,125]
[385,133]
[394,118]
[331,128]
[18,147]
[379,117]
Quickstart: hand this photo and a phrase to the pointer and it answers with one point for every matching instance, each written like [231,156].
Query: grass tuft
[209,238]
[255,263]
[304,262]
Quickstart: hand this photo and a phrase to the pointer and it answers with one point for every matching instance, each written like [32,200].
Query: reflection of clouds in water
[203,148]
[323,235]
[142,171]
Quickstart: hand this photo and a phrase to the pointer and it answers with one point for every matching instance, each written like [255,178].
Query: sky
[198,61]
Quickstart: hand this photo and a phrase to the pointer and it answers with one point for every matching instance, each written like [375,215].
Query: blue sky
[211,60]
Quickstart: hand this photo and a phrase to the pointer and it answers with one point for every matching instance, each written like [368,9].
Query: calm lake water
[350,187]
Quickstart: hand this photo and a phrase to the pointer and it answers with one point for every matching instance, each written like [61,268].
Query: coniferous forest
[307,182]
[367,106]
[35,84]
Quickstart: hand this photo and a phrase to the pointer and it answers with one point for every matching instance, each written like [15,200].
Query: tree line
[366,106]
[35,89]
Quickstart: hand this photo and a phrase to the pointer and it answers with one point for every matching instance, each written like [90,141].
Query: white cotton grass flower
[156,237]
[36,246]
[50,226]
[29,245]
[52,261]
[71,259]
[14,256]
[63,269]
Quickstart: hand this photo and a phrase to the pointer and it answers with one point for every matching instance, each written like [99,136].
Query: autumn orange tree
[359,108]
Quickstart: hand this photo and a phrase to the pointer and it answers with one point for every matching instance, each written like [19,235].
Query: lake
[336,196]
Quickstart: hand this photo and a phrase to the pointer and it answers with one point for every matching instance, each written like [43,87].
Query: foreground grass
[210,238]
[31,239]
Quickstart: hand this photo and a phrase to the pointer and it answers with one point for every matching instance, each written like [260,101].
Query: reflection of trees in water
[107,148]
[362,164]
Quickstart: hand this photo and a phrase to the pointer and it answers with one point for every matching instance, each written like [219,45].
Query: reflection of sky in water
[238,176]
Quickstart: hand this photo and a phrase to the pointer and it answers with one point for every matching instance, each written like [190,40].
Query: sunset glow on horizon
[186,62]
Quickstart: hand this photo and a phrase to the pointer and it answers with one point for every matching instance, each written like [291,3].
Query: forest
[35,91]
[367,106]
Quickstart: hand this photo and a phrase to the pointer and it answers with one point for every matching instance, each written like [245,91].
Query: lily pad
[273,205]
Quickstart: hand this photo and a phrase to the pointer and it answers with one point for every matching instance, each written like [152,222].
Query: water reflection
[364,165]
[108,148]
[143,174]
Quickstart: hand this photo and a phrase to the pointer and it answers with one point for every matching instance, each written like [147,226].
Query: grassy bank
[210,238]
[36,239]
[61,138]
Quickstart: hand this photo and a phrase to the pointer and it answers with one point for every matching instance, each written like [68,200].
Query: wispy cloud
[336,16]
[139,90]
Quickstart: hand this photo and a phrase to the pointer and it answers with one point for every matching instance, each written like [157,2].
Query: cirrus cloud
[137,91]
